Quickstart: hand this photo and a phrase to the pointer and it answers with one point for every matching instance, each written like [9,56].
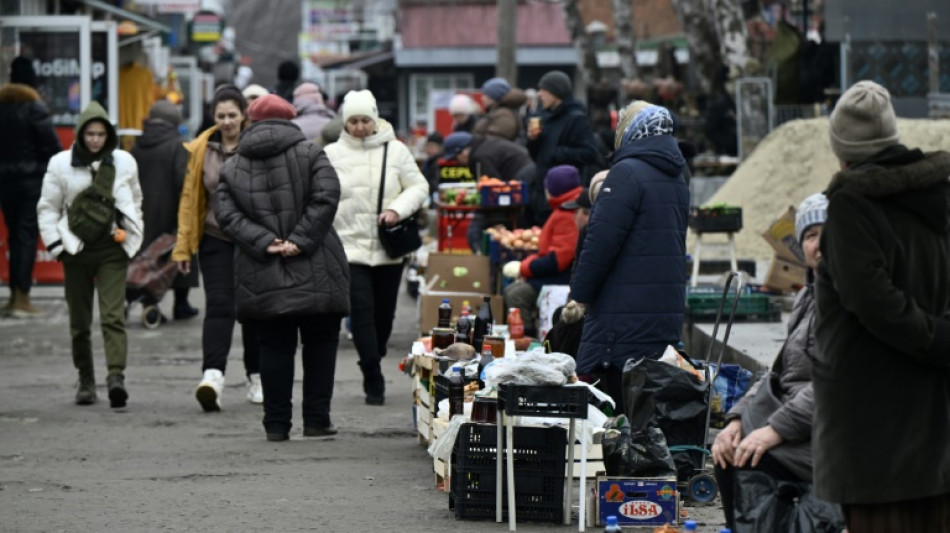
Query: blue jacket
[632,270]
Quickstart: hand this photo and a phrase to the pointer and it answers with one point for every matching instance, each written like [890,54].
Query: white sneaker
[255,392]
[209,390]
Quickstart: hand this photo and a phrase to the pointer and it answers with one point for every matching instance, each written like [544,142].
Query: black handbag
[402,238]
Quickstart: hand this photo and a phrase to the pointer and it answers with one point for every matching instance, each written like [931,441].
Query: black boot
[86,389]
[182,309]
[118,396]
[374,384]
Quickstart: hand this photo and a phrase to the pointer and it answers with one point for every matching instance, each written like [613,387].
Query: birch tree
[587,65]
[625,39]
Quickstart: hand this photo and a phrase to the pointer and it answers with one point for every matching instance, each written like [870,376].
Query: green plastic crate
[751,306]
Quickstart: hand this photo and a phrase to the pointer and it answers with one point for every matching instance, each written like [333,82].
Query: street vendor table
[454,220]
[538,401]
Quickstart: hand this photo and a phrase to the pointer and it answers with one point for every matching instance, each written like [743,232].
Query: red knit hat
[271,106]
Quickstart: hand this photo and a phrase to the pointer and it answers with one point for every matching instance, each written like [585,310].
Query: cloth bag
[152,270]
[402,238]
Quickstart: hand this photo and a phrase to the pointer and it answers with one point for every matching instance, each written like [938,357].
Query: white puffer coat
[63,182]
[358,164]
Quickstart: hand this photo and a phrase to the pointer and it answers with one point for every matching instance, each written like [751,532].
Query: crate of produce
[537,449]
[752,307]
[543,401]
[715,219]
[538,497]
[503,194]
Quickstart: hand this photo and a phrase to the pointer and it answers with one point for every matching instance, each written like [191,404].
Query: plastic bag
[640,453]
[532,368]
[729,386]
[441,448]
[662,395]
[764,503]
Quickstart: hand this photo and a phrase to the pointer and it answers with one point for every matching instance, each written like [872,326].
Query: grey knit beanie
[167,111]
[863,123]
[557,83]
[812,211]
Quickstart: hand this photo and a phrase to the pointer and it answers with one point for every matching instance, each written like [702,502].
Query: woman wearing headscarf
[94,263]
[630,279]
[367,150]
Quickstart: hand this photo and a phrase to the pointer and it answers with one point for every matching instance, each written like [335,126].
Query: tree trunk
[506,65]
[587,65]
[733,34]
[704,50]
[625,39]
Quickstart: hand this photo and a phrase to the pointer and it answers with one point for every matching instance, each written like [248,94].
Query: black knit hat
[21,71]
[557,83]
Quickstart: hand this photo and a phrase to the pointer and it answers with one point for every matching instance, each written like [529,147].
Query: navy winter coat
[632,270]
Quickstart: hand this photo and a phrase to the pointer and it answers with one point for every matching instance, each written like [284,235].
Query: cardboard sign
[637,501]
[785,276]
[781,237]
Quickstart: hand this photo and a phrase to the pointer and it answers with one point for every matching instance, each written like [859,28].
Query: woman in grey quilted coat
[277,200]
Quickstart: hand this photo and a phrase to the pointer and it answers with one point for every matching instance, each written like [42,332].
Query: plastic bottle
[445,313]
[482,362]
[725,530]
[612,526]
[463,328]
[515,323]
[456,392]
[689,525]
[483,323]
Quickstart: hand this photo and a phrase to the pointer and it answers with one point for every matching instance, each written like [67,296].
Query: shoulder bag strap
[382,181]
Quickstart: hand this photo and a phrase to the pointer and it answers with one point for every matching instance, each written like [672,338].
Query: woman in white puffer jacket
[375,277]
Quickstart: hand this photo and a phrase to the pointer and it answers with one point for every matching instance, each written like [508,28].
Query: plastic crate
[751,307]
[715,219]
[538,497]
[503,195]
[453,229]
[537,449]
[542,401]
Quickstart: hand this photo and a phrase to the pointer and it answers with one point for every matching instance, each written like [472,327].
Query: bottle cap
[611,520]
[445,300]
[689,525]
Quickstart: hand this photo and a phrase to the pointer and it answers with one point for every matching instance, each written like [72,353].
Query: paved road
[163,465]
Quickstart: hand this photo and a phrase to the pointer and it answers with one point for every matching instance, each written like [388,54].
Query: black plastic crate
[543,401]
[715,219]
[538,497]
[536,449]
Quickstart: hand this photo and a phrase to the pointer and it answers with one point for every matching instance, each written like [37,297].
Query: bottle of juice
[445,313]
[515,323]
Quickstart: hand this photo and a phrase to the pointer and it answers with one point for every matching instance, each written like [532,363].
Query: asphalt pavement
[161,464]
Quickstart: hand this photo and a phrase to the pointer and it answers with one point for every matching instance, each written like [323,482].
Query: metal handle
[735,275]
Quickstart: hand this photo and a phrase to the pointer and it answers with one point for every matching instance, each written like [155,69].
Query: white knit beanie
[863,123]
[462,104]
[812,211]
[360,103]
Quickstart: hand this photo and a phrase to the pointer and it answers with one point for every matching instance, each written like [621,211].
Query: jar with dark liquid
[442,337]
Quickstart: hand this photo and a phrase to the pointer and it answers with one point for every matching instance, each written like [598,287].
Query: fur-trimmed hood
[14,93]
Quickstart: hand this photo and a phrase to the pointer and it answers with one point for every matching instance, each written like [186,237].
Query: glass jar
[442,337]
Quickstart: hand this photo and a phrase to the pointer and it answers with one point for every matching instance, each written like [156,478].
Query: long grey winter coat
[279,186]
[793,370]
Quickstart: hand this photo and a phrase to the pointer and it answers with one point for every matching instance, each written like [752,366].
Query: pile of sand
[792,162]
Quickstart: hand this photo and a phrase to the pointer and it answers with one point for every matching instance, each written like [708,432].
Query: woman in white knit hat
[367,152]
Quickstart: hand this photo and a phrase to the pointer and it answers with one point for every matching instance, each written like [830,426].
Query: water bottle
[725,530]
[612,526]
[456,392]
[689,525]
[445,313]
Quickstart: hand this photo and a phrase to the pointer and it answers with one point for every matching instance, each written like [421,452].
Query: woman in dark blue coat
[631,276]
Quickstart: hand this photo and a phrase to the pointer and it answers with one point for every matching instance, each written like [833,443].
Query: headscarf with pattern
[641,119]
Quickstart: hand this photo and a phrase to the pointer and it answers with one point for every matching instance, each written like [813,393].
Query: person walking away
[198,232]
[502,107]
[560,136]
[883,295]
[492,157]
[27,142]
[95,264]
[162,160]
[312,114]
[276,200]
[769,429]
[366,142]
[430,167]
[630,280]
[551,264]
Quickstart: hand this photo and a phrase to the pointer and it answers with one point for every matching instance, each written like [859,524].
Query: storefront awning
[126,14]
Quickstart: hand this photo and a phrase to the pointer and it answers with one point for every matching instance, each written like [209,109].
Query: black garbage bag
[764,503]
[636,454]
[658,393]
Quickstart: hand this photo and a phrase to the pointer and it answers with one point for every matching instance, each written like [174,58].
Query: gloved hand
[573,312]
[512,269]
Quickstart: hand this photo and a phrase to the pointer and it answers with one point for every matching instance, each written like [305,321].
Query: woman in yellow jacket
[198,232]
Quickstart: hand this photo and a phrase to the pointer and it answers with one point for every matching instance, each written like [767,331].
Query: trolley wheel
[151,317]
[702,488]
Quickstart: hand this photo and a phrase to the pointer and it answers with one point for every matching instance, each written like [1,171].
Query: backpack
[92,212]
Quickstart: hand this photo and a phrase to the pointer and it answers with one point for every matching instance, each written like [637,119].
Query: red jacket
[557,242]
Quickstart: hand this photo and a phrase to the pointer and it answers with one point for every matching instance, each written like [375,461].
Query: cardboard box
[429,307]
[458,273]
[781,237]
[638,501]
[785,276]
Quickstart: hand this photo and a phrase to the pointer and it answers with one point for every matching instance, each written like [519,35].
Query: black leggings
[373,294]
[216,260]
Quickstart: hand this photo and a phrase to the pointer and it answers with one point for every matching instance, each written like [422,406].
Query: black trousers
[726,479]
[216,259]
[373,293]
[277,337]
[18,198]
